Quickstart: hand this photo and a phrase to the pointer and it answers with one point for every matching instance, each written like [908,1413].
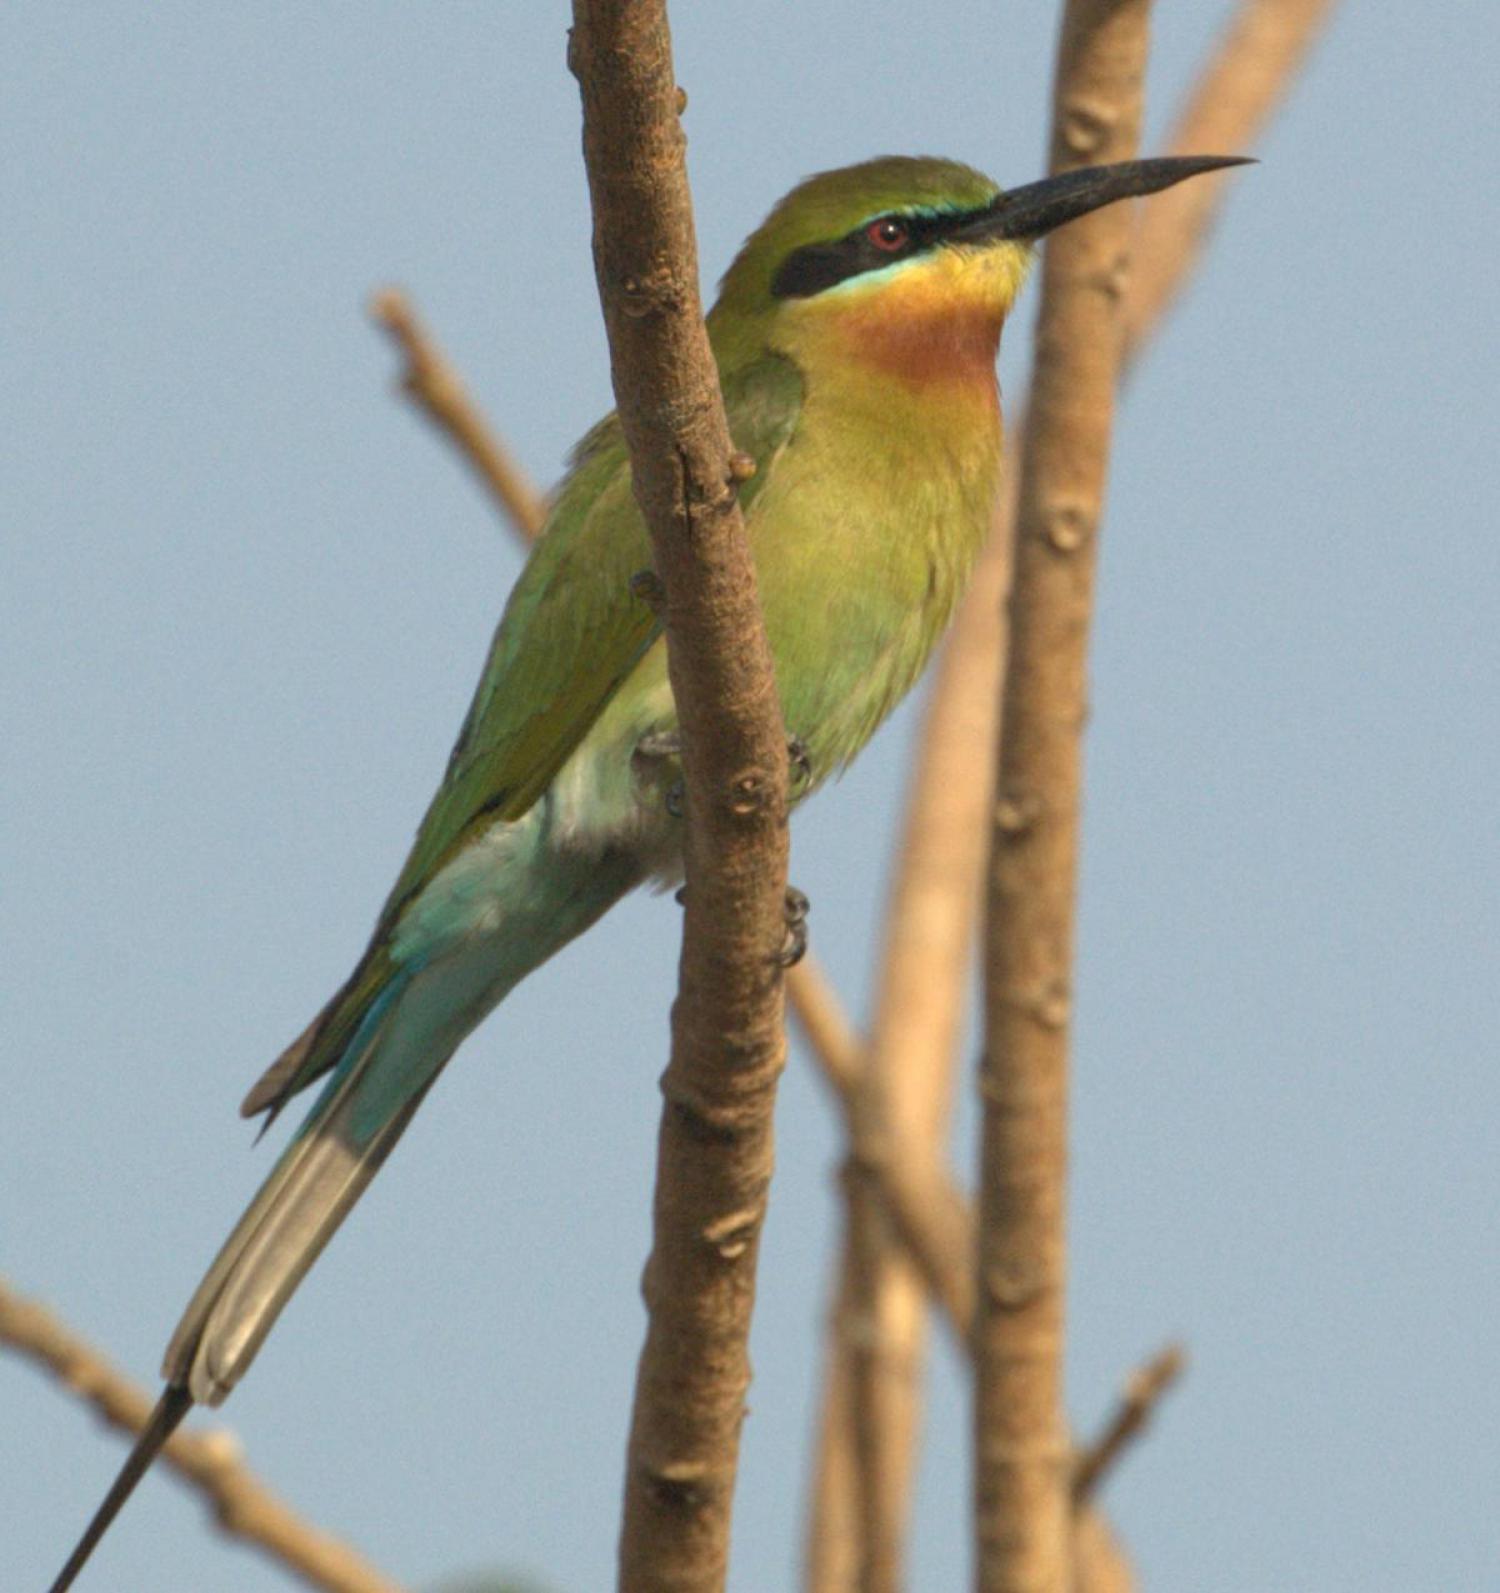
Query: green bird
[855,335]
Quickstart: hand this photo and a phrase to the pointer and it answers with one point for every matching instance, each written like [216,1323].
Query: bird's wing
[571,632]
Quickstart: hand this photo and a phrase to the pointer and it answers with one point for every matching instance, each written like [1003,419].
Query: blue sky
[246,596]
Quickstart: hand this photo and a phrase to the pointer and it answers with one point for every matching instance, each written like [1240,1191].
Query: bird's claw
[794,947]
[800,771]
[652,750]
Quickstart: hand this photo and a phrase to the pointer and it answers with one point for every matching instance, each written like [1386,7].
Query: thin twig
[1023,1514]
[1143,1392]
[438,390]
[823,1023]
[833,1549]
[728,1042]
[1256,62]
[241,1505]
[911,1227]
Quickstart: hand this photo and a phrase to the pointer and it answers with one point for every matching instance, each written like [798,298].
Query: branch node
[733,1234]
[679,1485]
[1086,123]
[1017,812]
[1066,524]
[1014,1282]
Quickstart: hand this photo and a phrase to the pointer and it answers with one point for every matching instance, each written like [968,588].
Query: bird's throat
[932,326]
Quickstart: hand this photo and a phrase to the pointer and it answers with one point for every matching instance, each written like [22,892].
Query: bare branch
[1236,90]
[823,1023]
[1256,63]
[1022,1457]
[438,390]
[714,1150]
[242,1506]
[1143,1391]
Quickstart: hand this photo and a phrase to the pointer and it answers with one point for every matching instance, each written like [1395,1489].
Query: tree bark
[1023,1458]
[714,1148]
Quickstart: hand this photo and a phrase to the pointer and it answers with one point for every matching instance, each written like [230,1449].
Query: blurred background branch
[211,1463]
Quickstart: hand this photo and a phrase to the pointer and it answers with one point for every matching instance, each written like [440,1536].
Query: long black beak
[1037,208]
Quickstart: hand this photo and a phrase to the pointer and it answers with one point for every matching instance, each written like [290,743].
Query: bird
[855,334]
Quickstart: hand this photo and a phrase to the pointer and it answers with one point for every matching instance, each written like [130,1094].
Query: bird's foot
[658,747]
[794,947]
[652,753]
[799,770]
[646,585]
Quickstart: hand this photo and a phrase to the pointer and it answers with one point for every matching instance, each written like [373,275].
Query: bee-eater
[855,335]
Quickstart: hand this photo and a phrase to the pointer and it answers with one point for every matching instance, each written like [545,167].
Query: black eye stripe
[818,266]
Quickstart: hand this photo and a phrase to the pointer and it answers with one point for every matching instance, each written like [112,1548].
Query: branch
[927,947]
[1259,56]
[438,390]
[1143,1391]
[1022,1459]
[912,1231]
[728,1046]
[242,1506]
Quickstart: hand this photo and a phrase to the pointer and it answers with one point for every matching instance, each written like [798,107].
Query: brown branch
[437,389]
[1235,92]
[1022,1456]
[728,1045]
[242,1506]
[910,1227]
[1143,1392]
[823,1023]
[1257,60]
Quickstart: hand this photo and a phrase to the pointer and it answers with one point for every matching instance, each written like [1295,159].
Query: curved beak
[1038,208]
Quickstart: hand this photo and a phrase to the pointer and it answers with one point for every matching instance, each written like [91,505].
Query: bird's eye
[888,234]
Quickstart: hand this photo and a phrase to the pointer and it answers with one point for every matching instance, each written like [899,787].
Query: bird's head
[906,266]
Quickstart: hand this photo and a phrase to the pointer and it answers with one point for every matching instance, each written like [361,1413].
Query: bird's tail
[364,1109]
[383,1041]
[372,1095]
[173,1405]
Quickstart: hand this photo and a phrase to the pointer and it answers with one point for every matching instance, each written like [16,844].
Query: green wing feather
[571,633]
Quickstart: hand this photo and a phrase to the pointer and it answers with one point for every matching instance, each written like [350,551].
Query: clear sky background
[246,594]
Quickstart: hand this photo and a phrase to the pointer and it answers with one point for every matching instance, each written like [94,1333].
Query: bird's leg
[651,752]
[659,744]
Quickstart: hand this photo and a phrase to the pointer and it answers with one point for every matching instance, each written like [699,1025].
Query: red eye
[888,234]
